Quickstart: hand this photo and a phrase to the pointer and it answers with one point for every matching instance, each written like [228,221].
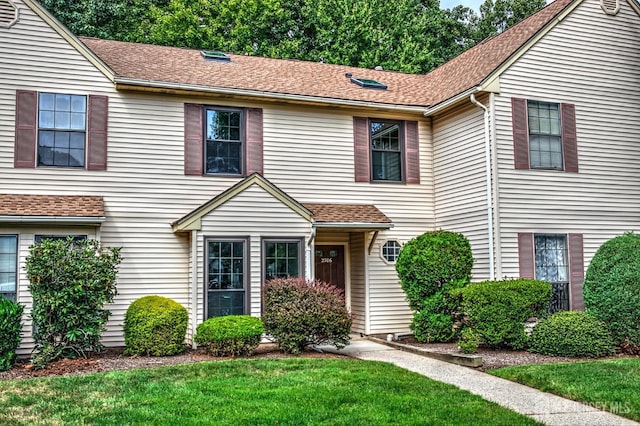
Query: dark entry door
[329,265]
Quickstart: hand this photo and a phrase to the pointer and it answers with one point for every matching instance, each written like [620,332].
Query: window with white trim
[545,136]
[8,266]
[391,251]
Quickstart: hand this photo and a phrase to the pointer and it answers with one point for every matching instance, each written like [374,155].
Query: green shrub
[469,341]
[430,327]
[10,329]
[430,261]
[298,313]
[155,325]
[231,335]
[612,289]
[497,310]
[70,283]
[572,333]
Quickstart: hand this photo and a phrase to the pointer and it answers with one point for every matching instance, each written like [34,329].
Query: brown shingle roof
[346,213]
[51,205]
[251,73]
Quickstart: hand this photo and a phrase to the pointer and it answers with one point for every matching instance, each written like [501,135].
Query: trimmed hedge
[573,334]
[10,329]
[230,335]
[431,260]
[497,310]
[298,314]
[612,289]
[155,325]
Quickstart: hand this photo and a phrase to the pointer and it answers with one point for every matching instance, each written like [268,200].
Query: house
[216,172]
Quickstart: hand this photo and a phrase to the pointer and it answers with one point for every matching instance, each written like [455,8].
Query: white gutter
[309,265]
[53,219]
[194,285]
[257,93]
[354,225]
[487,157]
[451,101]
[496,197]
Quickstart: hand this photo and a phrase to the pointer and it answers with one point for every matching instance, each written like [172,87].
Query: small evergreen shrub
[155,325]
[10,329]
[298,313]
[70,281]
[612,289]
[469,341]
[428,262]
[573,334]
[231,335]
[430,327]
[497,310]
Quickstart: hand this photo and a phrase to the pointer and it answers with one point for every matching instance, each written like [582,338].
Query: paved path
[541,406]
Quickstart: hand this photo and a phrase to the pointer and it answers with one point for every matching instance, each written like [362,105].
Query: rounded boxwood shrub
[155,325]
[497,310]
[428,262]
[298,313]
[231,335]
[572,333]
[10,329]
[612,289]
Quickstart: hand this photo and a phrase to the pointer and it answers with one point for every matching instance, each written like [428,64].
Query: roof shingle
[51,205]
[346,213]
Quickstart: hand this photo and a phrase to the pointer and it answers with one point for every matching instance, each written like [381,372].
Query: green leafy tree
[496,16]
[70,281]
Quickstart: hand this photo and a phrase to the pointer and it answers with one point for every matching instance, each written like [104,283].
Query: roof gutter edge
[53,219]
[257,93]
[451,101]
[363,225]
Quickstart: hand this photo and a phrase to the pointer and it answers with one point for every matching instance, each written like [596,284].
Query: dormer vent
[610,7]
[8,13]
[214,55]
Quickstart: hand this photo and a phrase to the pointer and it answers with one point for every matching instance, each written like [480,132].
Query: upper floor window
[545,138]
[387,147]
[8,266]
[62,123]
[224,148]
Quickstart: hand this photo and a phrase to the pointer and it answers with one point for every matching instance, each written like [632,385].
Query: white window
[8,266]
[391,250]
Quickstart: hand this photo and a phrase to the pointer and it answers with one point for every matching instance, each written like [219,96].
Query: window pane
[8,266]
[47,101]
[46,138]
[225,272]
[61,139]
[61,112]
[45,119]
[78,104]
[76,140]
[551,258]
[63,102]
[62,120]
[77,121]
[282,259]
[386,165]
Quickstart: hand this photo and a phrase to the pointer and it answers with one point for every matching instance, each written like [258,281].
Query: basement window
[368,83]
[214,55]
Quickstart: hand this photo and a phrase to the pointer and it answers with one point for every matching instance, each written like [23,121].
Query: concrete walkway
[541,406]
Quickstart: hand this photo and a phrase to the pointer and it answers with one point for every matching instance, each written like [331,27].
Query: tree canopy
[412,36]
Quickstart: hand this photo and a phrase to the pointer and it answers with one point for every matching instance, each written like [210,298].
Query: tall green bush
[70,283]
[612,289]
[497,310]
[155,325]
[230,335]
[428,262]
[298,314]
[10,329]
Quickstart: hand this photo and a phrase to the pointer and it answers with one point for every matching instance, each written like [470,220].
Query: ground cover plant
[250,392]
[612,385]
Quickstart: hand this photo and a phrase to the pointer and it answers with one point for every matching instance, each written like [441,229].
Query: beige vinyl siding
[358,281]
[460,179]
[255,214]
[593,61]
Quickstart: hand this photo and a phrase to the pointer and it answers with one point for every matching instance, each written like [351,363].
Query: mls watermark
[614,407]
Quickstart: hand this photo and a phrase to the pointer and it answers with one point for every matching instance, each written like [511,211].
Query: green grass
[611,385]
[249,392]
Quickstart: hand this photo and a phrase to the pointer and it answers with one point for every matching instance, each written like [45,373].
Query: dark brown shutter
[361,149]
[193,139]
[569,138]
[520,133]
[526,256]
[255,142]
[26,129]
[98,113]
[576,270]
[412,152]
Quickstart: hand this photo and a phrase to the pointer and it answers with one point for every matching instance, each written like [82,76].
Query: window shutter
[520,133]
[569,138]
[576,271]
[255,135]
[26,128]
[526,255]
[361,149]
[193,139]
[412,154]
[98,112]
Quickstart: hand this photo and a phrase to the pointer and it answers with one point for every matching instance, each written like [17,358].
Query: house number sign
[326,260]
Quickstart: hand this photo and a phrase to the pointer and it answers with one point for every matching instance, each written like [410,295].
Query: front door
[329,265]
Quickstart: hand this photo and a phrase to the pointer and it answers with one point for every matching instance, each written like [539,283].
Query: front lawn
[253,392]
[611,385]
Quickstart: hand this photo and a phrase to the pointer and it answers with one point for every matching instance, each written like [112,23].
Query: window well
[214,55]
[368,83]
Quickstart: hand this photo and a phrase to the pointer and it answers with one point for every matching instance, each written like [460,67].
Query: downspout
[487,156]
[194,285]
[496,192]
[308,260]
